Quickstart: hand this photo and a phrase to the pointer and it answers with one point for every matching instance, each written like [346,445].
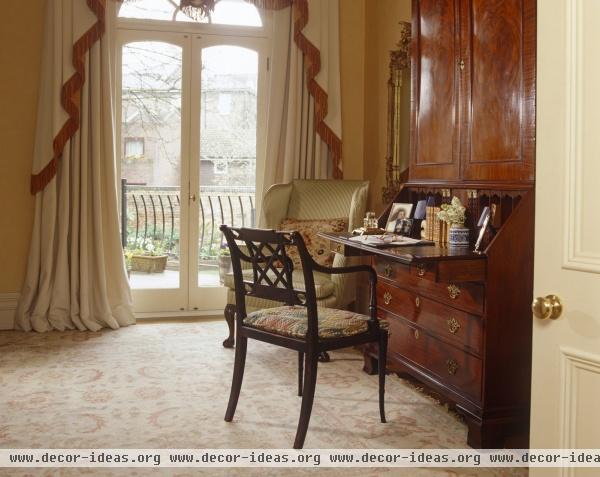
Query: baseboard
[8,306]
[150,315]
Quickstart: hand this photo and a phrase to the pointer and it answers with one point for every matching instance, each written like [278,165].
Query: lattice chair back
[266,251]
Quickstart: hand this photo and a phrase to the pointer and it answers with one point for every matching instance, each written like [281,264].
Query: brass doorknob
[547,307]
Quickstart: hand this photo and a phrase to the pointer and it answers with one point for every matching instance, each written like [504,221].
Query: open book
[388,240]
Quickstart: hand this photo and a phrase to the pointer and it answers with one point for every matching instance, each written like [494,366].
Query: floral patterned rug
[166,385]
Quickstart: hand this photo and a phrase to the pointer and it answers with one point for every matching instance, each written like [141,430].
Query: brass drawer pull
[387,298]
[417,334]
[387,270]
[453,291]
[453,325]
[421,270]
[418,302]
[452,366]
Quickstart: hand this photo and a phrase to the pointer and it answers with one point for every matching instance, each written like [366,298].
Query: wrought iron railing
[152,214]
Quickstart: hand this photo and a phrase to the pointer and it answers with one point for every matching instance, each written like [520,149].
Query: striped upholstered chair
[326,201]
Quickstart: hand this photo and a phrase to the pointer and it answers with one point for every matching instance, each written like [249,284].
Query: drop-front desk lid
[404,254]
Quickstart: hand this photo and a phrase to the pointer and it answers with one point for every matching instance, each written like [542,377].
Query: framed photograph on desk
[398,213]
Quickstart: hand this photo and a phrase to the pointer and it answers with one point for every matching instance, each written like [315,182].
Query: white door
[191,107]
[565,412]
[228,82]
[153,107]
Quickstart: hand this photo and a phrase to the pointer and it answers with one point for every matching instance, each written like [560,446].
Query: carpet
[166,385]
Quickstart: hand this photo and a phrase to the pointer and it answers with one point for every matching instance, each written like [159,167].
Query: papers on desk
[388,240]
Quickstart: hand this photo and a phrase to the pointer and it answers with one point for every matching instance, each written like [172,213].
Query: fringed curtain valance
[70,94]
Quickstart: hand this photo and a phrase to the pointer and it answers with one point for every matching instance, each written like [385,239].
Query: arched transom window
[226,12]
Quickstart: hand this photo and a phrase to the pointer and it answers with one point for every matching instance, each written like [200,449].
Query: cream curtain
[76,276]
[304,113]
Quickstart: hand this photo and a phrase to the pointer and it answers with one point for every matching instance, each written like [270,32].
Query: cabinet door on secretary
[498,141]
[435,90]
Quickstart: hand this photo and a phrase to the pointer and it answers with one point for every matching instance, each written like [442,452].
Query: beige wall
[375,24]
[20,43]
[352,72]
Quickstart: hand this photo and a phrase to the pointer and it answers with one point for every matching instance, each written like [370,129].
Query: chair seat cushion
[293,321]
[323,285]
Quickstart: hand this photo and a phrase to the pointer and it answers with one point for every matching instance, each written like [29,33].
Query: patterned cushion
[317,247]
[323,284]
[293,321]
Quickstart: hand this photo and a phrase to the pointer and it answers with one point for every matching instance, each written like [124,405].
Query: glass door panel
[227,152]
[151,161]
[153,209]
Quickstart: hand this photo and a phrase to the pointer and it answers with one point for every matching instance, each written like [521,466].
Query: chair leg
[230,319]
[310,381]
[383,339]
[238,376]
[300,371]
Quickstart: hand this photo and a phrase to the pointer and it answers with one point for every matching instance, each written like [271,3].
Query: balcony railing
[150,213]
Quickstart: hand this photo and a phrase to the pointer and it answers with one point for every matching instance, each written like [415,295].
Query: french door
[191,117]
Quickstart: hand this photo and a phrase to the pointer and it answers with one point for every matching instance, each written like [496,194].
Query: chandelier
[197,9]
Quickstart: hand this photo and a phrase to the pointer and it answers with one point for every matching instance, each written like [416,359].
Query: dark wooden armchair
[299,324]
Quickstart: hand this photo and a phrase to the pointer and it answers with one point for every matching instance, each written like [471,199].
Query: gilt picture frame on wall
[398,213]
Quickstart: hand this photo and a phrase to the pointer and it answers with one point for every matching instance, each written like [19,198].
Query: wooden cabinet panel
[466,296]
[499,135]
[473,90]
[435,86]
[449,324]
[449,365]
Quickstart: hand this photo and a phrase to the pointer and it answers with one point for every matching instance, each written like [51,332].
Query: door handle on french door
[193,197]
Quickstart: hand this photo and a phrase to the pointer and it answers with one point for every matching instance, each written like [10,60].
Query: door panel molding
[578,368]
[582,247]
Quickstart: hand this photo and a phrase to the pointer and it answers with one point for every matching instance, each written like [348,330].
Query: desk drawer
[466,296]
[445,363]
[449,324]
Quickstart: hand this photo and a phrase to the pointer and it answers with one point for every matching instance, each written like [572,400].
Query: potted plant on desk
[454,215]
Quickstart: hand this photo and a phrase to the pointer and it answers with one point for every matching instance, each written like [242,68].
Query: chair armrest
[355,269]
[350,269]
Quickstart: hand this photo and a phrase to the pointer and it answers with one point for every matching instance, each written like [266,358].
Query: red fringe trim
[312,57]
[70,96]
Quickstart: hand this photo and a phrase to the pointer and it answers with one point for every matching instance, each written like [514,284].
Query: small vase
[458,236]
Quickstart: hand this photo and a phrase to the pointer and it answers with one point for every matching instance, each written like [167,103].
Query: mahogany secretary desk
[460,322]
